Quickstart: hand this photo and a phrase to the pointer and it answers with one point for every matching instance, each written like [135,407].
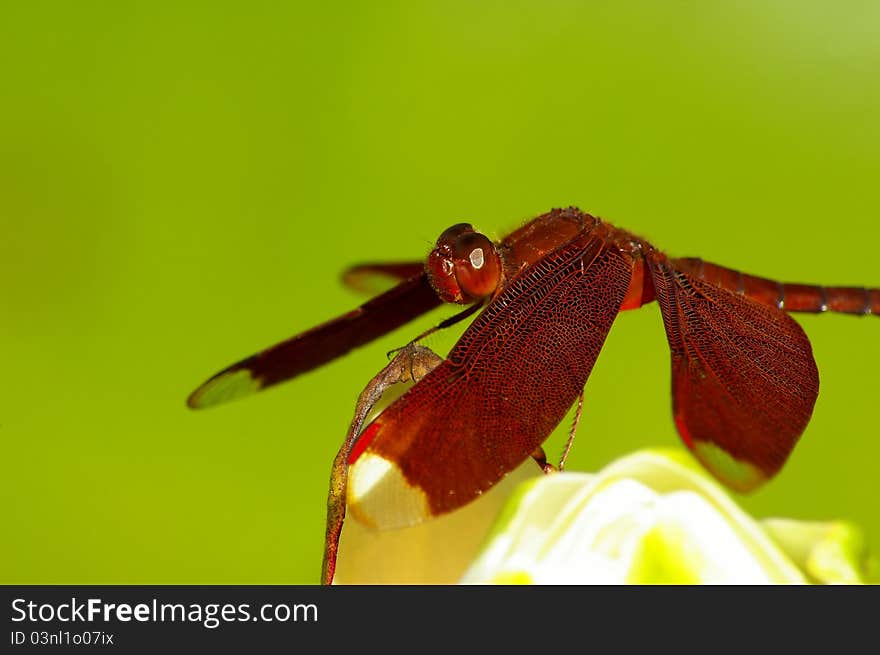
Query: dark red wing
[321,344]
[744,381]
[506,385]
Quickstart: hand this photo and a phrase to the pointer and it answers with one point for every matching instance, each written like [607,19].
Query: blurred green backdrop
[180,184]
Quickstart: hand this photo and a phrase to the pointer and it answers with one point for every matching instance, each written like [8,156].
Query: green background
[180,185]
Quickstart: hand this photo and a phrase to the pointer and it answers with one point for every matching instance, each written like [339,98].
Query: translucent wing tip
[376,278]
[739,475]
[225,386]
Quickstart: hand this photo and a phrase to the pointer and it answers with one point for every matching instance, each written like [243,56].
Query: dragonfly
[744,379]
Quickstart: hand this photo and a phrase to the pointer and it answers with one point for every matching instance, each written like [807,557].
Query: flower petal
[646,518]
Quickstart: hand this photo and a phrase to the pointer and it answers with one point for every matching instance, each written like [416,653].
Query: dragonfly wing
[505,386]
[313,348]
[744,381]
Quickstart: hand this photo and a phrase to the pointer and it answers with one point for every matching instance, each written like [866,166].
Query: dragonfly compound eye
[464,265]
[477,266]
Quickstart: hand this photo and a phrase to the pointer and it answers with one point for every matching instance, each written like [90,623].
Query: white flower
[650,517]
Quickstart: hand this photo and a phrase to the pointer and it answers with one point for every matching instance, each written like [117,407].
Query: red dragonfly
[744,380]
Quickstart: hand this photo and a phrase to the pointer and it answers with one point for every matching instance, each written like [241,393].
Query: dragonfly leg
[411,364]
[573,431]
[442,325]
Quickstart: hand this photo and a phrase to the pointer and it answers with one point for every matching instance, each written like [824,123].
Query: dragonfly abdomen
[809,298]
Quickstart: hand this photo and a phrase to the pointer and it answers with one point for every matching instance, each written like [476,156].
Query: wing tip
[737,474]
[226,386]
[381,497]
[192,400]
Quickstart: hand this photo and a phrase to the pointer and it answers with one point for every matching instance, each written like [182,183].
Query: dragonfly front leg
[411,364]
[540,456]
[573,431]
